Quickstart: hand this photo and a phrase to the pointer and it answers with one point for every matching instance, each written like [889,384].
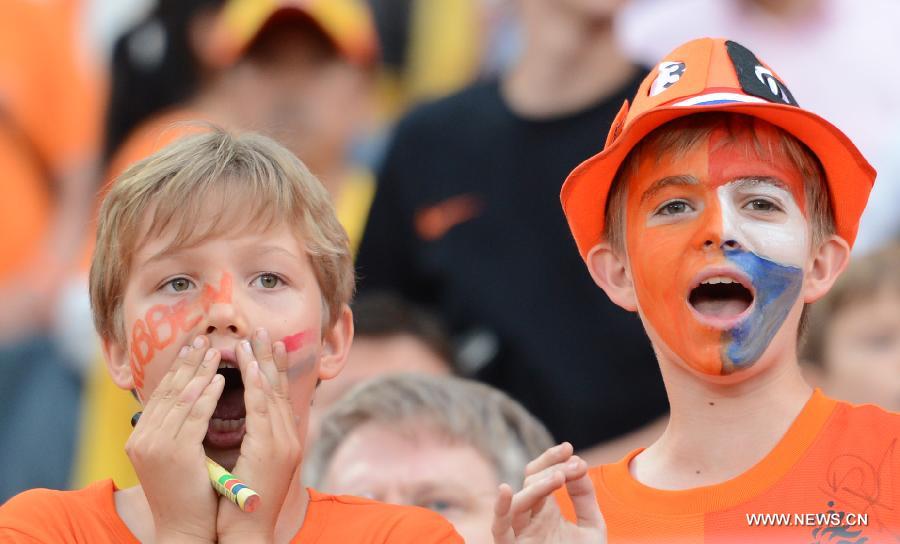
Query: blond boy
[219,287]
[717,211]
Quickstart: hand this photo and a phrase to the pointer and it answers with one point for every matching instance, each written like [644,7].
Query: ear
[828,262]
[118,363]
[336,345]
[610,272]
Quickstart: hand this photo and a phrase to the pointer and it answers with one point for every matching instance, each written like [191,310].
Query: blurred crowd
[443,129]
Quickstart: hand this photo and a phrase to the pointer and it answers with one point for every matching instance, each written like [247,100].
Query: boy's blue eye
[268,281]
[179,284]
[674,208]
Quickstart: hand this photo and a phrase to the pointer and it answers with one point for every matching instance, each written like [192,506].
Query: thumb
[584,499]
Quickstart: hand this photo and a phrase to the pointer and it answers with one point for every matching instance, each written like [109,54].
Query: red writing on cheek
[161,324]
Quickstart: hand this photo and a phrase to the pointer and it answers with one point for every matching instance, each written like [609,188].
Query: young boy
[717,211]
[219,286]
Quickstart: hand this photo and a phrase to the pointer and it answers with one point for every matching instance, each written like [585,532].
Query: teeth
[718,279]
[226,364]
[226,425]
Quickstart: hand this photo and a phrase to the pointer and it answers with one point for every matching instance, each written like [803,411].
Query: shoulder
[45,514]
[355,519]
[475,101]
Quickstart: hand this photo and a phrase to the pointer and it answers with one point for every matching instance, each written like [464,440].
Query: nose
[225,318]
[223,310]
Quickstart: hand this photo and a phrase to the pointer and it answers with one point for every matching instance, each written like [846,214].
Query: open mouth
[227,425]
[721,300]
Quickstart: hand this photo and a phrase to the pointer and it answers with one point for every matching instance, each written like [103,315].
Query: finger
[255,401]
[188,396]
[570,468]
[279,353]
[262,351]
[196,424]
[180,373]
[501,528]
[525,501]
[187,366]
[553,456]
[281,389]
[584,498]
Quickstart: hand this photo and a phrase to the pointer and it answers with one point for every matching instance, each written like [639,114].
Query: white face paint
[764,218]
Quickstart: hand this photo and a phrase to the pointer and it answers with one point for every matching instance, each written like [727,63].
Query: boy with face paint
[220,286]
[717,210]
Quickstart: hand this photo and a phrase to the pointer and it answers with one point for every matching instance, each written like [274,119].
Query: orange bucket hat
[715,75]
[347,24]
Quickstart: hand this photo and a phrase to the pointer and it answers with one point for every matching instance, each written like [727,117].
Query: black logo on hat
[756,79]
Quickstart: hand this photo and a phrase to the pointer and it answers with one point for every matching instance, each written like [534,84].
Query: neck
[569,62]
[703,420]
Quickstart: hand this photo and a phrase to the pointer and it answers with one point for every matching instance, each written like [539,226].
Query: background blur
[79,78]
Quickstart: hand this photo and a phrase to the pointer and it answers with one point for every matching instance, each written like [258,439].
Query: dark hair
[153,67]
[384,314]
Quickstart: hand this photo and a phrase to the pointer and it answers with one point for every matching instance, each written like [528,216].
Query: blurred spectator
[155,66]
[834,53]
[854,335]
[466,219]
[50,99]
[390,336]
[301,73]
[442,443]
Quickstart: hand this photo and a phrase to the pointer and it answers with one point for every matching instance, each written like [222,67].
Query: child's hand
[271,449]
[531,515]
[166,447]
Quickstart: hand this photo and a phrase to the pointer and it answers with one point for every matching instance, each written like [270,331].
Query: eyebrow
[667,181]
[174,252]
[760,180]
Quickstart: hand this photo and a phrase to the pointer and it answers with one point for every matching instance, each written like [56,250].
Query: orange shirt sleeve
[338,519]
[86,516]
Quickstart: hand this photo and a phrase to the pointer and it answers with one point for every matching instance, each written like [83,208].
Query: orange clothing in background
[835,458]
[89,516]
[49,84]
[25,208]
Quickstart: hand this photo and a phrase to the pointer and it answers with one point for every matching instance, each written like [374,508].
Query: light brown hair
[243,175]
[462,411]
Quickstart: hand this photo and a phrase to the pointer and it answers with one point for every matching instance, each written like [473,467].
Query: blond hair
[463,411]
[682,135]
[248,173]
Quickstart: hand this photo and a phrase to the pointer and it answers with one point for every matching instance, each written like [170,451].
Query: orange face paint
[684,215]
[163,323]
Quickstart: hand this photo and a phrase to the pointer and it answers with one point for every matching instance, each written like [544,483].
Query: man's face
[299,91]
[418,468]
[717,243]
[862,350]
[226,288]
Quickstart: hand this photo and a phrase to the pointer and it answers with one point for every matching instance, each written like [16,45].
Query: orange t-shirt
[89,516]
[836,459]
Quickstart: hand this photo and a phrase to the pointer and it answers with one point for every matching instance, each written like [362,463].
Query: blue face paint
[777,288]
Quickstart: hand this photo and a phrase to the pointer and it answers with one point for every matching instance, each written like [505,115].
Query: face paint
[162,324]
[716,242]
[294,342]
